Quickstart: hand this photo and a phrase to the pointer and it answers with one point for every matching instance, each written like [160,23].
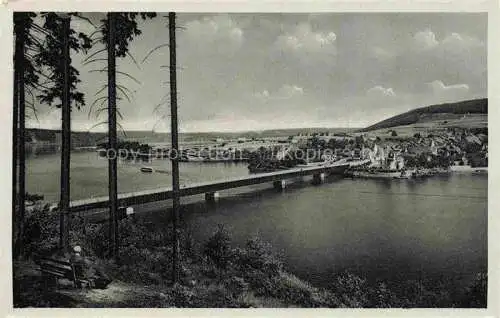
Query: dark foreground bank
[215,273]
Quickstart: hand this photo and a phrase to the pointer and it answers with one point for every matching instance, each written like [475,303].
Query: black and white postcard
[159,157]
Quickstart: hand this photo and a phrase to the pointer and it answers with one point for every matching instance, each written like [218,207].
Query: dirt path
[118,294]
[30,291]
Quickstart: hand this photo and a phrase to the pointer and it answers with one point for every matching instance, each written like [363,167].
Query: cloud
[288,91]
[264,94]
[304,39]
[82,26]
[456,42]
[381,54]
[425,40]
[440,89]
[240,62]
[284,92]
[454,57]
[453,42]
[46,118]
[215,29]
[379,91]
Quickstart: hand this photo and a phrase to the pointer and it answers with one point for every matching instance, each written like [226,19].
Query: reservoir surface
[384,229]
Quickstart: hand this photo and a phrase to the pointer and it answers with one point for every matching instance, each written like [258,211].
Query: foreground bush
[218,248]
[41,231]
[216,274]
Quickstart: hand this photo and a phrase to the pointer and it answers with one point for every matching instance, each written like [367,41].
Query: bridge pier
[212,197]
[318,178]
[125,212]
[278,178]
[279,184]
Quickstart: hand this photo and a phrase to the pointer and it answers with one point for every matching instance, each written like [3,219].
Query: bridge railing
[162,194]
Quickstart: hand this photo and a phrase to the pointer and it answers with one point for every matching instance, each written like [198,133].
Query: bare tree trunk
[15,119]
[18,137]
[112,139]
[66,143]
[175,148]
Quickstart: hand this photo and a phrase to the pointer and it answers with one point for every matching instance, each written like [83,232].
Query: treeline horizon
[472,106]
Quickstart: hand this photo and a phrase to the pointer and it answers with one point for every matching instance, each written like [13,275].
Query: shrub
[41,231]
[236,285]
[214,296]
[218,248]
[352,290]
[291,290]
[355,292]
[259,256]
[260,268]
[380,296]
[142,265]
[394,133]
[143,254]
[190,246]
[475,295]
[142,234]
[183,296]
[93,238]
[33,197]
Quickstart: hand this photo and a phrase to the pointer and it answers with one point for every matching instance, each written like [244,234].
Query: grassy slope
[214,273]
[477,110]
[212,292]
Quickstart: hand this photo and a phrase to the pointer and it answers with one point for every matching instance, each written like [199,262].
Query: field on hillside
[434,122]
[461,113]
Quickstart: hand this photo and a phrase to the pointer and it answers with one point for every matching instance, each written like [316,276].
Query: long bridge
[211,188]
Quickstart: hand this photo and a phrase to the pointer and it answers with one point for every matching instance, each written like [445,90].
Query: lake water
[391,229]
[89,175]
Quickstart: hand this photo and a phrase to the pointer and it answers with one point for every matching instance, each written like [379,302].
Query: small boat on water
[162,171]
[147,169]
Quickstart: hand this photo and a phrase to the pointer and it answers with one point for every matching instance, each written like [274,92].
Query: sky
[239,72]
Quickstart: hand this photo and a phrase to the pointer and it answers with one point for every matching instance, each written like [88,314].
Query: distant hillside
[81,138]
[475,106]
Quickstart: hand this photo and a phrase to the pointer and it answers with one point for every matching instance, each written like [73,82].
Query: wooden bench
[56,269]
